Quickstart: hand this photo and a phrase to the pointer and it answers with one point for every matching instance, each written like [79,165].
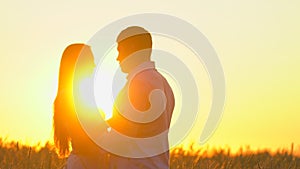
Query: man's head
[134,47]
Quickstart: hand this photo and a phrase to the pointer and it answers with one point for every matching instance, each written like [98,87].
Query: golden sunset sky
[258,44]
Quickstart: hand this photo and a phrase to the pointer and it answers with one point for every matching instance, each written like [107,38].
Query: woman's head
[77,58]
[77,62]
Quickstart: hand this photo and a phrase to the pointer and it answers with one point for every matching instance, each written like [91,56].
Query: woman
[69,136]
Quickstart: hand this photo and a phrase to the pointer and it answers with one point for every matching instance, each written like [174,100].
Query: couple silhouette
[142,110]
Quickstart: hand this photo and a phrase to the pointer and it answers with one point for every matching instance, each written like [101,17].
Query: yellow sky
[257,43]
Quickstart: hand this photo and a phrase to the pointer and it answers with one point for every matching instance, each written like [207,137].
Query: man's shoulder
[148,77]
[148,74]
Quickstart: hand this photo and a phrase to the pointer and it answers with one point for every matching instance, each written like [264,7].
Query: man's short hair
[136,36]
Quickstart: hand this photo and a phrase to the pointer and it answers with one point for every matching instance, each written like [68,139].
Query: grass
[16,156]
[223,159]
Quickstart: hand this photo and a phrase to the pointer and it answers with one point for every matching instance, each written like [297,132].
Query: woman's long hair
[64,117]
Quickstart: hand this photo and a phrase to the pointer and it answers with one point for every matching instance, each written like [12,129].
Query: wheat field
[16,156]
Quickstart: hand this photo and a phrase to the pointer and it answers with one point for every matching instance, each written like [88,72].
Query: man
[137,99]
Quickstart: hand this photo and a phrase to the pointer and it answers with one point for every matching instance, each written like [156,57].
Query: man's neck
[141,67]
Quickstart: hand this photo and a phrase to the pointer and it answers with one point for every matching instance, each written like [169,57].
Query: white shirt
[141,81]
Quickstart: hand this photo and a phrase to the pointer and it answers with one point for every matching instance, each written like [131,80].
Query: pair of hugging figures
[136,135]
